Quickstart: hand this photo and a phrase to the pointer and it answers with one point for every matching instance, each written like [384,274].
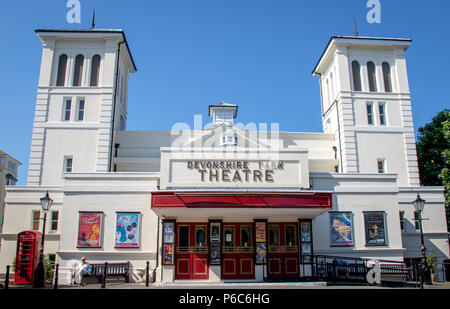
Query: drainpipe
[157,253]
[116,84]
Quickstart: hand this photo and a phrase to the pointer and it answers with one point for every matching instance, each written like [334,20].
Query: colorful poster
[89,230]
[214,254]
[375,228]
[306,231]
[260,232]
[127,230]
[306,253]
[261,253]
[169,231]
[168,254]
[341,229]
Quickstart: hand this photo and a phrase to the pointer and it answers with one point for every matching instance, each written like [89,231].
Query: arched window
[95,70]
[78,73]
[61,78]
[387,77]
[356,76]
[372,76]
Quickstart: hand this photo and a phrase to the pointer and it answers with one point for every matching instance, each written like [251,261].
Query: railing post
[105,269]
[55,283]
[147,271]
[7,277]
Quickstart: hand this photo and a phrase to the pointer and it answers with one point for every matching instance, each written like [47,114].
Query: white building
[8,177]
[210,203]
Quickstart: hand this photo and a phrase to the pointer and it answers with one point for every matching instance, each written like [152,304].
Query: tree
[433,153]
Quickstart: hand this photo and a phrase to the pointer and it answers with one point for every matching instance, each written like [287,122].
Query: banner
[375,228]
[89,230]
[341,229]
[127,230]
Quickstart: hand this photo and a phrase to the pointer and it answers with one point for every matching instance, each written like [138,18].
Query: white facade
[94,165]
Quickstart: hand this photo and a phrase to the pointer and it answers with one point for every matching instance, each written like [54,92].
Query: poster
[375,229]
[168,254]
[215,232]
[306,231]
[261,253]
[214,254]
[306,253]
[341,229]
[127,230]
[89,230]
[260,232]
[169,231]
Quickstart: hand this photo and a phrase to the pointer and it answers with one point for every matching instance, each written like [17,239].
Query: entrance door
[191,255]
[237,251]
[283,257]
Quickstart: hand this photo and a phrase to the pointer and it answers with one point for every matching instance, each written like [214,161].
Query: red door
[191,255]
[283,251]
[237,251]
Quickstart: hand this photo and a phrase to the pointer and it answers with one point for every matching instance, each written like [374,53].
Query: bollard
[104,275]
[147,274]
[7,277]
[55,284]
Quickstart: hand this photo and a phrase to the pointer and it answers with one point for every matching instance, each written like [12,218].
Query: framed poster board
[306,253]
[260,228]
[341,229]
[215,232]
[214,254]
[305,228]
[127,230]
[375,228]
[90,225]
[169,232]
[168,254]
[261,253]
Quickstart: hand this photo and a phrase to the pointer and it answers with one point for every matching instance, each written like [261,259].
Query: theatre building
[227,200]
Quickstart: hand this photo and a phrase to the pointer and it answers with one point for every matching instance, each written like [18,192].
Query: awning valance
[177,199]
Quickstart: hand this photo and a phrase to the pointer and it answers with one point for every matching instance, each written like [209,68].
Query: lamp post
[419,205]
[39,272]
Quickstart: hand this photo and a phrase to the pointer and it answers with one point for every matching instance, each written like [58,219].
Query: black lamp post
[419,204]
[39,272]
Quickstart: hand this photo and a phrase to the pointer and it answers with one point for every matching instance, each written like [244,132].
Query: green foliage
[431,261]
[49,270]
[433,153]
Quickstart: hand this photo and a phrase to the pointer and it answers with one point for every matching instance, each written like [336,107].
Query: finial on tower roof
[93,21]
[356,29]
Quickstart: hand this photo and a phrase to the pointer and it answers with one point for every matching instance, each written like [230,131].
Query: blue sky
[257,54]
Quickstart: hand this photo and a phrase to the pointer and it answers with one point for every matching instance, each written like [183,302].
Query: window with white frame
[402,220]
[381,166]
[382,113]
[80,109]
[369,108]
[36,220]
[54,221]
[68,164]
[356,70]
[67,109]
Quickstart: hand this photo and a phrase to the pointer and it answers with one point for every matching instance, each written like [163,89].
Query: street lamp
[39,272]
[419,204]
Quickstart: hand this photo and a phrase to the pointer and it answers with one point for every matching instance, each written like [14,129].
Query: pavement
[230,286]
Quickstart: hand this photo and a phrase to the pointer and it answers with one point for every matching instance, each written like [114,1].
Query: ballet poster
[127,230]
[89,230]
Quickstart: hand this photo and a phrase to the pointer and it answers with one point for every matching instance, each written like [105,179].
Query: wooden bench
[112,270]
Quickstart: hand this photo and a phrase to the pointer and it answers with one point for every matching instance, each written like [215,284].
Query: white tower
[366,104]
[81,102]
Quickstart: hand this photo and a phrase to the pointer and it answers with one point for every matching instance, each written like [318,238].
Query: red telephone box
[27,256]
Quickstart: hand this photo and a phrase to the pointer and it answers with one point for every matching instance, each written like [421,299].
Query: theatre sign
[186,169]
